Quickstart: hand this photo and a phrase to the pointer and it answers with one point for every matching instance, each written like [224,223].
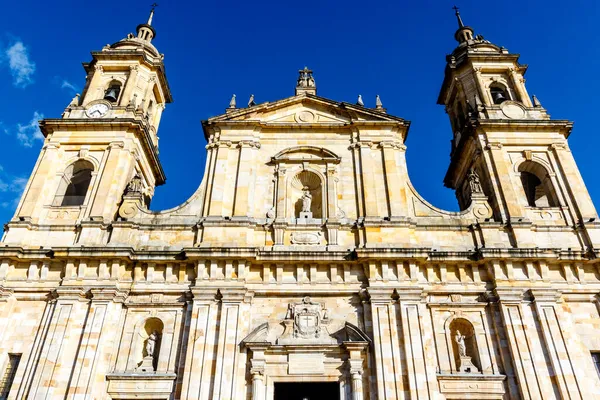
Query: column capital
[70,293]
[546,295]
[509,295]
[110,293]
[5,293]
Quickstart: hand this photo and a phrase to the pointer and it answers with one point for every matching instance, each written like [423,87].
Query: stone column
[129,85]
[563,356]
[356,367]
[280,193]
[387,346]
[59,348]
[518,82]
[417,331]
[233,327]
[220,181]
[531,371]
[244,188]
[368,181]
[257,370]
[94,86]
[93,349]
[200,353]
[396,204]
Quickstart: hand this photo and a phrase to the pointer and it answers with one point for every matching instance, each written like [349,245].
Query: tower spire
[464,33]
[154,5]
[460,22]
[146,31]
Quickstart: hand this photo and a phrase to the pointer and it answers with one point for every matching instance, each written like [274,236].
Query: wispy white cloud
[21,67]
[68,85]
[11,188]
[28,134]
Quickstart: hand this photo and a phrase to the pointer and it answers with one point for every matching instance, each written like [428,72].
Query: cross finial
[153,5]
[457,13]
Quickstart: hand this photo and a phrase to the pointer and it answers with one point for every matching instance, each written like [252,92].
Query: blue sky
[215,48]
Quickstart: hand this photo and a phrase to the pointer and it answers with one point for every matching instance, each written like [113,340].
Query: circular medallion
[305,116]
[512,110]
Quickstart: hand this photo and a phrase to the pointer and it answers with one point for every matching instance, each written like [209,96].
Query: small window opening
[596,359]
[499,94]
[9,375]
[113,91]
[74,184]
[537,186]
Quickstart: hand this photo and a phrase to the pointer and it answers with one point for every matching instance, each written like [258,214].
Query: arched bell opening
[538,189]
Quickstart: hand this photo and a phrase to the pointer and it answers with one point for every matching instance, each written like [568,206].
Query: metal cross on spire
[153,5]
[460,22]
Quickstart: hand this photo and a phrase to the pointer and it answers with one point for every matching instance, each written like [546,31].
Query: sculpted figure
[474,182]
[460,341]
[306,199]
[151,344]
[135,185]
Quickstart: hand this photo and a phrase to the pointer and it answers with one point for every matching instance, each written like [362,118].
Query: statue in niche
[151,344]
[460,341]
[474,182]
[306,199]
[150,359]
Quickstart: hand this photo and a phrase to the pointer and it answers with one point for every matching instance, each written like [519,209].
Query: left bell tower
[105,138]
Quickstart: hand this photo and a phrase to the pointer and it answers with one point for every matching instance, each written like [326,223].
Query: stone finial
[75,101]
[536,101]
[378,103]
[251,102]
[306,82]
[232,103]
[359,101]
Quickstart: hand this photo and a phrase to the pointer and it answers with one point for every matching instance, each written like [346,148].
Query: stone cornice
[50,125]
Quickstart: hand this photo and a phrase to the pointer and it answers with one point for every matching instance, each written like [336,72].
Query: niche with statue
[464,346]
[307,196]
[149,345]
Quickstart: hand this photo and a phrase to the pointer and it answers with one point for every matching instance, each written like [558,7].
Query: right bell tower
[506,142]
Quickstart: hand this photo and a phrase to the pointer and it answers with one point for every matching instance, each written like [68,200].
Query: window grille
[9,375]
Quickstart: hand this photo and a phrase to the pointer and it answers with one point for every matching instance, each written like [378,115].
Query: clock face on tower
[97,110]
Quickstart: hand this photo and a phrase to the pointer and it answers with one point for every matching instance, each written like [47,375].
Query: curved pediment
[306,153]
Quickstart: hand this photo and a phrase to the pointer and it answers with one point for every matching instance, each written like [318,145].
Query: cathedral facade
[306,265]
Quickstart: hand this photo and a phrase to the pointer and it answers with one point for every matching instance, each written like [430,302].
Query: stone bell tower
[506,142]
[106,138]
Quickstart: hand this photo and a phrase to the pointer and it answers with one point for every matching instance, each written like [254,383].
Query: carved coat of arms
[305,322]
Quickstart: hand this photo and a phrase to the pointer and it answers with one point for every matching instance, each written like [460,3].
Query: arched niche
[464,328]
[149,344]
[305,183]
[300,169]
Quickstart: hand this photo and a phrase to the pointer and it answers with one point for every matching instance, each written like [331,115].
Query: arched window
[113,91]
[74,184]
[537,185]
[499,93]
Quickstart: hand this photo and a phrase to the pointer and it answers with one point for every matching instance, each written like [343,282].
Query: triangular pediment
[304,109]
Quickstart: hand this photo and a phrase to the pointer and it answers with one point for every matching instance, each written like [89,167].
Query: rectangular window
[9,375]
[596,358]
